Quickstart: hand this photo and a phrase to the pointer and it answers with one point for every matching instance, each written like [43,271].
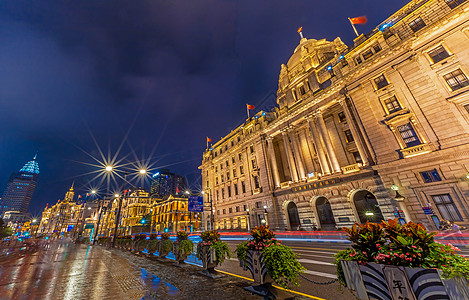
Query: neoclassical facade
[367,132]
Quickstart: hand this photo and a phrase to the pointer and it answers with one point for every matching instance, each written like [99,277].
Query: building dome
[31,167]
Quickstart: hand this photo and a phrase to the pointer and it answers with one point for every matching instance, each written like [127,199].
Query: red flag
[358,20]
[177,190]
[79,196]
[250,106]
[209,140]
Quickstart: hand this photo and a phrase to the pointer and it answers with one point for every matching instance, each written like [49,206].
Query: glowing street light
[93,191]
[34,220]
[187,192]
[116,195]
[109,168]
[143,171]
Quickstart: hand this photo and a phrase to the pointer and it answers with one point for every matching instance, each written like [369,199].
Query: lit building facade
[172,215]
[360,133]
[20,189]
[62,219]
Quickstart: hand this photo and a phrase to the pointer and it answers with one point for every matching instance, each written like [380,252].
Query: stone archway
[293,217]
[367,207]
[325,216]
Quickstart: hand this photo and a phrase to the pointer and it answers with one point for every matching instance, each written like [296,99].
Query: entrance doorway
[293,216]
[325,215]
[367,207]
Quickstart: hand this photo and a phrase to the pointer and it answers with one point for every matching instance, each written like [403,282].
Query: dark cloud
[176,71]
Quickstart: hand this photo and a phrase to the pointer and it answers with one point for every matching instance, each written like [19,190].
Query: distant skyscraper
[166,183]
[20,188]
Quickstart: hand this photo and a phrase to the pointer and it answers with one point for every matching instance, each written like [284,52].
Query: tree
[4,230]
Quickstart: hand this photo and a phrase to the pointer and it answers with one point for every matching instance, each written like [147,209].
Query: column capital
[317,113]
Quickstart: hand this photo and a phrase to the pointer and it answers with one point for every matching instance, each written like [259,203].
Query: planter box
[160,251]
[376,281]
[180,257]
[255,264]
[209,258]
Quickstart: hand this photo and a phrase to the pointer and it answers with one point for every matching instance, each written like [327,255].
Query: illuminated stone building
[136,211]
[172,215]
[63,218]
[360,133]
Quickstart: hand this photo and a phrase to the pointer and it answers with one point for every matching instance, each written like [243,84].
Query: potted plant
[140,242]
[165,245]
[393,260]
[183,247]
[152,246]
[212,251]
[268,260]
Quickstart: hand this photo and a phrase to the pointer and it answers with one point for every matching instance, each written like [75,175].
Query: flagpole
[353,25]
[247,109]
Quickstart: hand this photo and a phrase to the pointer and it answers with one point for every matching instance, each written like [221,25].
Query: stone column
[327,142]
[354,131]
[319,147]
[288,152]
[299,159]
[273,161]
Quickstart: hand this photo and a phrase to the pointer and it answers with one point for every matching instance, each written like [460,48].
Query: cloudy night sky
[168,73]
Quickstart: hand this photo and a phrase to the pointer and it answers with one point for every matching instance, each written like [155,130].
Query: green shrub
[166,246]
[282,264]
[186,247]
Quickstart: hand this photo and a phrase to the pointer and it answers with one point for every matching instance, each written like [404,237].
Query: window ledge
[442,62]
[416,150]
[460,96]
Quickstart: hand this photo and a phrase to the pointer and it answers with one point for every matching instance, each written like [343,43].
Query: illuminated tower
[20,188]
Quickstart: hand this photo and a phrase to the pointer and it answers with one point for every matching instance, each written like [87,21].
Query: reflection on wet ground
[70,271]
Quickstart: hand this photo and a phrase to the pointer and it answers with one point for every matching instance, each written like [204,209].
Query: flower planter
[179,254]
[377,281]
[255,264]
[162,252]
[209,258]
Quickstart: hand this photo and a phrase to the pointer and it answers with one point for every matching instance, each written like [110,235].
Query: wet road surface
[69,271]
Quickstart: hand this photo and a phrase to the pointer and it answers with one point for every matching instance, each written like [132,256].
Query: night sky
[168,73]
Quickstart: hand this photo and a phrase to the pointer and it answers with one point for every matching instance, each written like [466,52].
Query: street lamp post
[100,206]
[248,219]
[119,212]
[266,214]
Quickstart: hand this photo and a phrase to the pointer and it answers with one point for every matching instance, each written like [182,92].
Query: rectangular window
[228,175]
[216,169]
[224,211]
[447,208]
[233,160]
[221,166]
[302,90]
[216,180]
[392,105]
[240,157]
[381,82]
[342,118]
[218,195]
[258,204]
[223,193]
[348,136]
[230,210]
[357,157]
[408,134]
[222,178]
[377,48]
[430,176]
[251,149]
[243,187]
[218,212]
[367,54]
[207,184]
[358,59]
[256,182]
[245,207]
[237,208]
[234,173]
[456,80]
[236,189]
[227,163]
[241,170]
[254,163]
[438,54]
[454,3]
[229,191]
[417,24]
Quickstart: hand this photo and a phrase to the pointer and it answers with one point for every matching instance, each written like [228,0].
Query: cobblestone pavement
[70,271]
